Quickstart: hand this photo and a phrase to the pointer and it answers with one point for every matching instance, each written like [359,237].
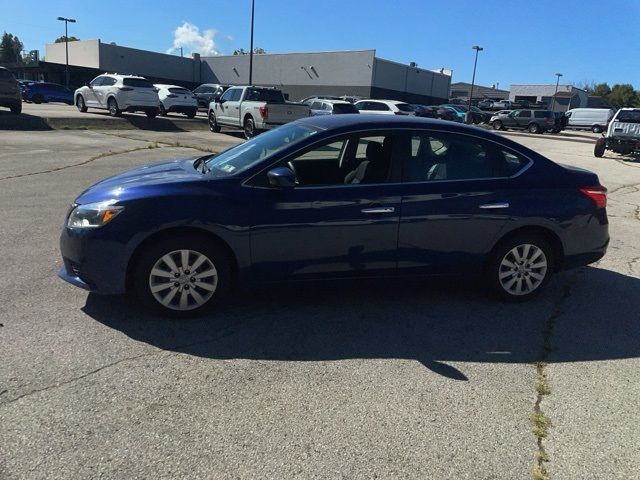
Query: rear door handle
[378,210]
[494,206]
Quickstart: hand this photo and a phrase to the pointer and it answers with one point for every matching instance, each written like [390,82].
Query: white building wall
[85,53]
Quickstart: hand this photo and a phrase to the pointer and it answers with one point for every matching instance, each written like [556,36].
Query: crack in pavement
[169,351]
[168,143]
[540,422]
[84,162]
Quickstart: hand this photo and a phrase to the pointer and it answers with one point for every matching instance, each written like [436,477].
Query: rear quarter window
[543,114]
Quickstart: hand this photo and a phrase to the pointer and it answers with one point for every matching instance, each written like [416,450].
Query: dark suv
[10,91]
[207,93]
[535,121]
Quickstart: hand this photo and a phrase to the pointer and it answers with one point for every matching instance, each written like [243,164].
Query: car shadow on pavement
[594,313]
[22,121]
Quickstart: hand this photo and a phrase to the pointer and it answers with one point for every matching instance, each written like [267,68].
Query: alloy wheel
[523,269]
[183,280]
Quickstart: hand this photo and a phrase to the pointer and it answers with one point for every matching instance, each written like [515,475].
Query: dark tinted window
[108,81]
[228,95]
[344,108]
[379,107]
[264,95]
[181,91]
[543,114]
[363,106]
[96,82]
[523,114]
[441,156]
[237,93]
[405,107]
[629,116]
[137,82]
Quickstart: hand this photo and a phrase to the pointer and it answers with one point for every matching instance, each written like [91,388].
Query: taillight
[597,194]
[264,113]
[125,89]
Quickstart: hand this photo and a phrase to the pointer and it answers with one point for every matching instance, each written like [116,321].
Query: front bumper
[93,261]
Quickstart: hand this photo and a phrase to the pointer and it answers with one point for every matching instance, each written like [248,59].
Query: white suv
[118,93]
[384,107]
[176,99]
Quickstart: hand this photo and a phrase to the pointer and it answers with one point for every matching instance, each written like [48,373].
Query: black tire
[192,113]
[163,111]
[497,125]
[249,128]
[600,147]
[142,277]
[153,113]
[495,268]
[16,108]
[534,128]
[596,129]
[37,98]
[213,123]
[114,110]
[80,105]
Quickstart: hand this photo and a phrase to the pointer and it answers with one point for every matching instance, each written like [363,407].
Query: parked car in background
[623,134]
[10,96]
[331,107]
[117,94]
[328,197]
[444,113]
[43,92]
[457,110]
[22,84]
[594,119]
[352,98]
[424,111]
[253,109]
[174,98]
[502,104]
[207,92]
[486,104]
[477,115]
[518,104]
[308,100]
[384,107]
[535,121]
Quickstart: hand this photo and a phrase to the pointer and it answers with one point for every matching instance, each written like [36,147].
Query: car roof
[334,102]
[165,85]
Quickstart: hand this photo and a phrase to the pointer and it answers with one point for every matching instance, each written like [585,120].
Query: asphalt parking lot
[367,380]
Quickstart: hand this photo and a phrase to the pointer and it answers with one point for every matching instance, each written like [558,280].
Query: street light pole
[553,102]
[66,46]
[473,79]
[253,4]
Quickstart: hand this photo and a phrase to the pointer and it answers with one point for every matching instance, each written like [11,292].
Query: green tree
[256,51]
[62,38]
[10,49]
[623,95]
[602,90]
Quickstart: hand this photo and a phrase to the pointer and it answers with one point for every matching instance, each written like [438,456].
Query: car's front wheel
[114,110]
[520,267]
[16,108]
[600,147]
[213,123]
[534,128]
[497,125]
[80,105]
[182,276]
[596,129]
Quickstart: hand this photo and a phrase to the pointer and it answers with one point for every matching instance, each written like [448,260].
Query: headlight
[93,215]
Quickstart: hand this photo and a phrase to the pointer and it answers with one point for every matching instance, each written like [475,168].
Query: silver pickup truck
[622,135]
[253,109]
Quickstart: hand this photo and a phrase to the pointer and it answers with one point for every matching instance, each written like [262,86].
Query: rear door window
[137,82]
[108,81]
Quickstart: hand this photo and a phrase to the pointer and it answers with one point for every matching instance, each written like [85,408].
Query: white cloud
[188,37]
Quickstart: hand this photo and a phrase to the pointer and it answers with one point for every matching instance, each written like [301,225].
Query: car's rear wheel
[80,105]
[596,129]
[192,113]
[182,276]
[249,128]
[152,113]
[114,110]
[16,108]
[37,98]
[600,147]
[497,125]
[534,128]
[520,267]
[163,111]
[213,123]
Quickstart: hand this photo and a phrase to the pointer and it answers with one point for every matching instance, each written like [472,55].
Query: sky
[524,42]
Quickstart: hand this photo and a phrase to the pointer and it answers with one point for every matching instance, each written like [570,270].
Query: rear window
[264,95]
[137,82]
[181,91]
[344,108]
[404,107]
[629,116]
[543,114]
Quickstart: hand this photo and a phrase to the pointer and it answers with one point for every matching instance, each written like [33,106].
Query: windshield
[629,116]
[243,156]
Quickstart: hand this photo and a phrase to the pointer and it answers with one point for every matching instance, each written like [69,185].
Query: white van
[594,119]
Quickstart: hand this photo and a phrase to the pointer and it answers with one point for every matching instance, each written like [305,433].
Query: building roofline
[292,53]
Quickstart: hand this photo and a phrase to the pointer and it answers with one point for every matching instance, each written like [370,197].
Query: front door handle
[378,210]
[494,206]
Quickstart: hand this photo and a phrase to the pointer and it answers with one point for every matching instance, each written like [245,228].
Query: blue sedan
[339,196]
[42,92]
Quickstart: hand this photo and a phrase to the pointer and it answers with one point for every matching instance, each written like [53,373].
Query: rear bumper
[139,108]
[180,108]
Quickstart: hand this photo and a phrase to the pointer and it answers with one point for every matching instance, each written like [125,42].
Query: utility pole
[553,102]
[253,4]
[66,46]
[181,51]
[473,80]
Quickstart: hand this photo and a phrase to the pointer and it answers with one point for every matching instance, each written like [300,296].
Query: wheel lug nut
[176,284]
[193,279]
[176,274]
[186,287]
[187,272]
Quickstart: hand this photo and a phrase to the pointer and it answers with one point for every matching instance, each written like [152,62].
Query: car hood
[137,181]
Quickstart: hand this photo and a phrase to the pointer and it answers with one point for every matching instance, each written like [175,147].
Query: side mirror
[218,100]
[281,177]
